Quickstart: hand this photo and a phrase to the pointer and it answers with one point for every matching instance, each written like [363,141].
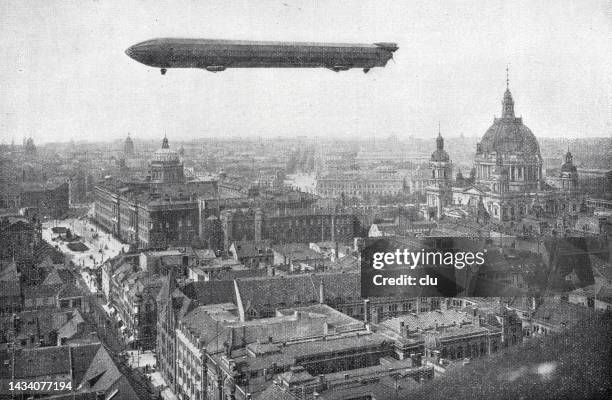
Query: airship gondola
[218,55]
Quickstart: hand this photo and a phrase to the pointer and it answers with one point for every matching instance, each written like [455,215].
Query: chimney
[436,356]
[366,310]
[337,255]
[321,292]
[230,343]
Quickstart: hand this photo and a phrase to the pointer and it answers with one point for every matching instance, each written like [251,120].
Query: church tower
[569,174]
[439,190]
[128,147]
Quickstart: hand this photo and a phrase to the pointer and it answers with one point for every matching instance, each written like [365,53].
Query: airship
[216,55]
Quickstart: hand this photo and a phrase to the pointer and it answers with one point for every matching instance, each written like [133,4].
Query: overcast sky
[64,74]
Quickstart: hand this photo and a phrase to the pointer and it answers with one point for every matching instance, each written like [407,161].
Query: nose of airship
[130,52]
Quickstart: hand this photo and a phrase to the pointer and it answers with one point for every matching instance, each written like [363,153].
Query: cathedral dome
[509,136]
[165,154]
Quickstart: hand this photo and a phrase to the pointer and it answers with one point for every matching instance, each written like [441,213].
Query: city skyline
[424,211]
[66,66]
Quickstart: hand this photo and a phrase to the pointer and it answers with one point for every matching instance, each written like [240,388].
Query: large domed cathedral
[508,182]
[166,166]
[508,155]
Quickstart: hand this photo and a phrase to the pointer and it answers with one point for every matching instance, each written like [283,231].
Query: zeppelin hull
[219,55]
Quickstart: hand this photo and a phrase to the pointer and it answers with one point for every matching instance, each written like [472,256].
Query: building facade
[288,226]
[165,210]
[360,185]
[509,185]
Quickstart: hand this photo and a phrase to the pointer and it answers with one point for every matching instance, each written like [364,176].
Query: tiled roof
[102,372]
[10,289]
[296,251]
[250,249]
[70,328]
[70,290]
[212,292]
[558,313]
[59,275]
[82,357]
[296,375]
[275,392]
[31,363]
[291,352]
[302,288]
[605,294]
[429,320]
[8,272]
[39,291]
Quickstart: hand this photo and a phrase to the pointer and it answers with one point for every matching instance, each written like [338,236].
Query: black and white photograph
[305,200]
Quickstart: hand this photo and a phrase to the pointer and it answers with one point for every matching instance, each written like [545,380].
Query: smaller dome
[568,165]
[165,154]
[440,155]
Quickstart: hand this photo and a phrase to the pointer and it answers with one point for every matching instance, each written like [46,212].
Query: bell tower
[439,190]
[569,174]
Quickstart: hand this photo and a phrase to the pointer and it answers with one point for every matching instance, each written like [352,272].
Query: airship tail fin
[387,46]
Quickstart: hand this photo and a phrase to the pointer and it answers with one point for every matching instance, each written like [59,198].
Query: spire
[439,139]
[165,143]
[508,102]
[507,77]
[568,156]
